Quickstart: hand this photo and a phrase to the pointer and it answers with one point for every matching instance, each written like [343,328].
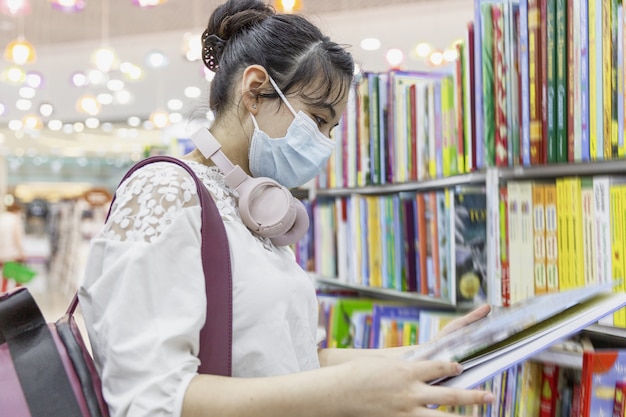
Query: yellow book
[374,242]
[563,232]
[577,273]
[552,241]
[606,79]
[539,238]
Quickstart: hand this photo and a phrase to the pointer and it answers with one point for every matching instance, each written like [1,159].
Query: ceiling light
[3,109]
[79,79]
[32,122]
[96,77]
[192,46]
[436,58]
[423,49]
[192,92]
[46,109]
[14,75]
[78,127]
[147,3]
[15,7]
[156,60]
[34,79]
[159,119]
[394,57]
[26,92]
[123,97]
[68,6]
[133,121]
[92,122]
[287,6]
[23,104]
[55,125]
[104,98]
[88,104]
[370,44]
[175,118]
[104,59]
[175,104]
[115,85]
[15,125]
[19,51]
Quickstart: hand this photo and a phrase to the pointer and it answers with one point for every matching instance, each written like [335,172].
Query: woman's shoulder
[147,202]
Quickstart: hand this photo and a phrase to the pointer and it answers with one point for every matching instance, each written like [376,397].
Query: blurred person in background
[11,240]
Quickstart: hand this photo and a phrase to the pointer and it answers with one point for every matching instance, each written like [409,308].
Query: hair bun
[227,21]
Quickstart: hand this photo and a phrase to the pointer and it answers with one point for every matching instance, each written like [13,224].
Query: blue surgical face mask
[294,159]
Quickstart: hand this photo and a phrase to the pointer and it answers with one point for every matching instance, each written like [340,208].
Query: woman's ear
[254,79]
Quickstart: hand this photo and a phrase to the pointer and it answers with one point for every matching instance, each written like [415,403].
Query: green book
[488,84]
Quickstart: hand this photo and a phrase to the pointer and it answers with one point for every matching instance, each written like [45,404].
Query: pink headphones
[267,208]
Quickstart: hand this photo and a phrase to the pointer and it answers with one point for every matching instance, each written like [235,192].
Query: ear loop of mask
[283,98]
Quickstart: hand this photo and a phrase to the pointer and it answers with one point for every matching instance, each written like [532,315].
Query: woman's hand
[463,321]
[394,387]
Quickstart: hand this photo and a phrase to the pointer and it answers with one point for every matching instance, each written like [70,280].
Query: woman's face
[274,117]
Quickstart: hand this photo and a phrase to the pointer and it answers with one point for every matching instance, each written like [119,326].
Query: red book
[422,234]
[549,390]
[499,65]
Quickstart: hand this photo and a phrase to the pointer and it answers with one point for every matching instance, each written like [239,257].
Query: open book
[511,335]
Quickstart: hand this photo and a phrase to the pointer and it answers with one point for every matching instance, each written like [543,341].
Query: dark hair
[295,53]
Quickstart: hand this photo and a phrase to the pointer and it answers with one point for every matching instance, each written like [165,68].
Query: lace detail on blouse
[147,202]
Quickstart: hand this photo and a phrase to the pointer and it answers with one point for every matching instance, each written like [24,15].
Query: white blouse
[144,301]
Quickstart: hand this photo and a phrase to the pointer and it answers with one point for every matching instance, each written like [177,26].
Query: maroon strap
[216,335]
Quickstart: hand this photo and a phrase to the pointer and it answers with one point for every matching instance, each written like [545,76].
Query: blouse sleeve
[143,296]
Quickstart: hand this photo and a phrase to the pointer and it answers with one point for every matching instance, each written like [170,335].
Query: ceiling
[65,42]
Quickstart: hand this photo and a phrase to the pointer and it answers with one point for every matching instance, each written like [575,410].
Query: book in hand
[510,335]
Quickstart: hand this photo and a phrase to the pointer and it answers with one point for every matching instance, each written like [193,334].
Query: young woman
[280,87]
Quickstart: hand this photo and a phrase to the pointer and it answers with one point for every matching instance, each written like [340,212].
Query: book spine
[500,90]
[549,390]
[563,254]
[617,233]
[584,80]
[588,231]
[596,149]
[478,85]
[504,248]
[567,149]
[539,241]
[527,237]
[424,245]
[576,82]
[534,71]
[614,89]
[606,81]
[468,101]
[488,84]
[621,151]
[551,70]
[459,105]
[561,88]
[602,216]
[514,228]
[552,243]
[578,255]
[434,243]
[524,81]
[545,52]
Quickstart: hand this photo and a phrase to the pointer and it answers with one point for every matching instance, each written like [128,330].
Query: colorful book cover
[424,251]
[577,244]
[601,370]
[411,246]
[596,128]
[341,330]
[433,241]
[602,228]
[374,128]
[384,332]
[535,82]
[614,87]
[470,239]
[526,238]
[487,93]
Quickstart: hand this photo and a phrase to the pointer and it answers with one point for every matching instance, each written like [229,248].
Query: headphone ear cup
[266,207]
[299,228]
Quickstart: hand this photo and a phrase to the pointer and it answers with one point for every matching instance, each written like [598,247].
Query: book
[603,373]
[470,240]
[510,335]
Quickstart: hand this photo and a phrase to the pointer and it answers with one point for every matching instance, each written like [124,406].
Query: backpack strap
[216,336]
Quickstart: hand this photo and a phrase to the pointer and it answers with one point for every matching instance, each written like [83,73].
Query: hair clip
[212,48]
